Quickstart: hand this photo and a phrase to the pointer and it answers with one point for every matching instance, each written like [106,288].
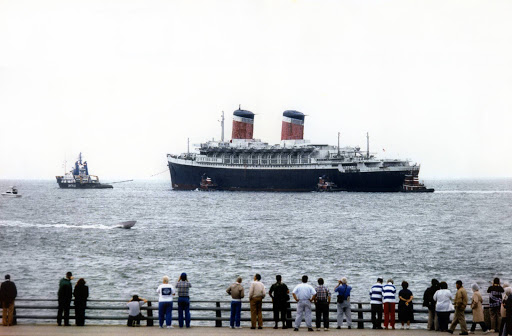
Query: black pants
[79,313]
[134,320]
[63,310]
[322,310]
[482,325]
[377,316]
[443,318]
[279,308]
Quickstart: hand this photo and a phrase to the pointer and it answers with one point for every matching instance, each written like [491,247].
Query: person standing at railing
[503,311]
[322,301]
[460,302]
[165,293]
[495,298]
[256,295]
[81,294]
[134,314]
[236,290]
[478,309]
[279,293]
[443,298]
[507,328]
[8,293]
[182,288]
[430,303]
[304,293]
[405,306]
[389,301]
[65,295]
[376,304]
[343,303]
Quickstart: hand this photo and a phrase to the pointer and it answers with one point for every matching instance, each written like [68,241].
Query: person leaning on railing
[134,314]
[182,288]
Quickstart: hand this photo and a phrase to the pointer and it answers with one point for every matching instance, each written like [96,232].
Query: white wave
[55,225]
[473,191]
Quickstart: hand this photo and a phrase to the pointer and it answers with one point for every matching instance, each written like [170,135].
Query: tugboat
[11,192]
[207,184]
[79,178]
[412,183]
[325,185]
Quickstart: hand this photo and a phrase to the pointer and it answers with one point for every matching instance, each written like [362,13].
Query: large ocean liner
[295,164]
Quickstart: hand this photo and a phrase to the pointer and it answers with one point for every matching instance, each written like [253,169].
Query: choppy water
[458,232]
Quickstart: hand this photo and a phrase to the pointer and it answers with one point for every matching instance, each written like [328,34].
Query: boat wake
[55,225]
[473,191]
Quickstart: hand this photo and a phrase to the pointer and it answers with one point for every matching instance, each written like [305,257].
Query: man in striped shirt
[376,304]
[389,300]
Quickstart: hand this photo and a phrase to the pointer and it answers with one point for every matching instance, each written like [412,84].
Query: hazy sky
[126,82]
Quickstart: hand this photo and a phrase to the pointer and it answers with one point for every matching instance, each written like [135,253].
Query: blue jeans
[236,310]
[165,309]
[184,307]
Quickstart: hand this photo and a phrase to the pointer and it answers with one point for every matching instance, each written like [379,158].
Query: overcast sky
[126,82]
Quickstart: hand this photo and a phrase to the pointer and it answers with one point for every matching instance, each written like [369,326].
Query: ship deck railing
[204,312]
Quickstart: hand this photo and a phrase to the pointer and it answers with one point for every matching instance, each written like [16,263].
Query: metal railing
[207,311]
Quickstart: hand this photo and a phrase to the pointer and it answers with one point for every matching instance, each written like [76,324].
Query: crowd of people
[383,300]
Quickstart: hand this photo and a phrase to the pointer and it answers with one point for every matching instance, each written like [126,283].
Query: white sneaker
[239,327]
[402,328]
[491,330]
[407,327]
[326,329]
[170,327]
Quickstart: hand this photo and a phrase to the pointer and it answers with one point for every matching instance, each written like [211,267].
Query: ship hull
[188,177]
[83,185]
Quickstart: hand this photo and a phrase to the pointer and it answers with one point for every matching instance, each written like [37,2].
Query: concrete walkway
[30,330]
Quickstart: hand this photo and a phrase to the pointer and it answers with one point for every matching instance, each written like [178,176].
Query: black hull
[188,177]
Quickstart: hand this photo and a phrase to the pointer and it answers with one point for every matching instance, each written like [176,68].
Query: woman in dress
[443,298]
[81,294]
[405,313]
[478,310]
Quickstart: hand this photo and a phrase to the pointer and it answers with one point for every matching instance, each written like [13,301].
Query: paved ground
[30,330]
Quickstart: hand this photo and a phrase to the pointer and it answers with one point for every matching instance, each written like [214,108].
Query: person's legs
[161,313]
[392,314]
[374,315]
[233,314]
[259,305]
[318,315]
[473,326]
[386,314]
[181,310]
[307,311]
[456,320]
[253,313]
[379,316]
[431,317]
[187,313]
[326,315]
[238,312]
[283,311]
[493,313]
[66,308]
[130,321]
[300,313]
[168,315]
[275,310]
[348,313]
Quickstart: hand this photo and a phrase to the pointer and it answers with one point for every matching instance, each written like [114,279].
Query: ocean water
[458,232]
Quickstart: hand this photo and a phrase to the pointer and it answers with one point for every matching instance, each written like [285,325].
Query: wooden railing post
[149,321]
[218,314]
[360,316]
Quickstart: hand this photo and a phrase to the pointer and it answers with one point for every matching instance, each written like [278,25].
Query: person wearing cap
[376,304]
[182,288]
[343,303]
[8,293]
[134,314]
[460,302]
[65,295]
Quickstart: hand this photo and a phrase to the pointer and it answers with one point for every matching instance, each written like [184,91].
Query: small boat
[325,185]
[207,184]
[11,192]
[126,225]
[412,183]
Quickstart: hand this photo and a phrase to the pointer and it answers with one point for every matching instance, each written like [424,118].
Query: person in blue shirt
[343,303]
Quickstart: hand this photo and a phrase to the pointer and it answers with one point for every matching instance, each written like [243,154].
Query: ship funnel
[243,123]
[293,125]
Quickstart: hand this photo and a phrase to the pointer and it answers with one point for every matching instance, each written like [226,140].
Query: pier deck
[107,330]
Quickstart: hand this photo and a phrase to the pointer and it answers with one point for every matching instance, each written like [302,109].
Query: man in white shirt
[256,295]
[304,294]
